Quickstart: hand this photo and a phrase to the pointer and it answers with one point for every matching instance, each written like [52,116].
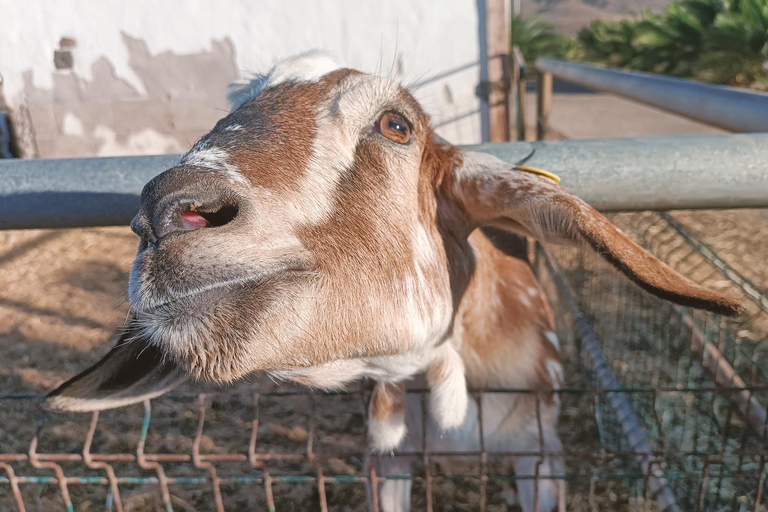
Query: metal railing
[649,173]
[731,108]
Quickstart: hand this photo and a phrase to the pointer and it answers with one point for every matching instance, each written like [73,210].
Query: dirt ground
[62,294]
[740,237]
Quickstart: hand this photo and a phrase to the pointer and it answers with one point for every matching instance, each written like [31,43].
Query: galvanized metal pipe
[75,192]
[653,173]
[730,108]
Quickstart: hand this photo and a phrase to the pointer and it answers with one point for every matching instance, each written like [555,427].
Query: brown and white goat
[320,233]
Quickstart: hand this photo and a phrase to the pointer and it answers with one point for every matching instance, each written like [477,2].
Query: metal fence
[695,381]
[643,173]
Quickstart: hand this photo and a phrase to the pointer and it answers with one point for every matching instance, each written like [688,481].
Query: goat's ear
[494,193]
[131,372]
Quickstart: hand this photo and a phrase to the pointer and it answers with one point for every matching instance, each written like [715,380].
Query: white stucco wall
[413,41]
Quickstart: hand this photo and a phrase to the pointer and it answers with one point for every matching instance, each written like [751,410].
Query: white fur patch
[555,370]
[448,397]
[387,434]
[333,153]
[428,303]
[395,495]
[215,159]
[307,67]
[359,98]
[509,495]
[348,111]
[553,339]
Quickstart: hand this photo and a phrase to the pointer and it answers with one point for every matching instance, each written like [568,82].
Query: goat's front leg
[386,416]
[448,400]
[448,397]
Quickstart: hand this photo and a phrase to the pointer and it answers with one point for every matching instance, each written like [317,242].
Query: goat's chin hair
[224,336]
[212,365]
[211,358]
[199,345]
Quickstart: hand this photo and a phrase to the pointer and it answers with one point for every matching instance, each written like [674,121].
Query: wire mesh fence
[663,408]
[695,381]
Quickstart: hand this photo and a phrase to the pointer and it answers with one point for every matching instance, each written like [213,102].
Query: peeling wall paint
[181,98]
[151,76]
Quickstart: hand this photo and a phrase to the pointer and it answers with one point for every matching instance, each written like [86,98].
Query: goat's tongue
[192,220]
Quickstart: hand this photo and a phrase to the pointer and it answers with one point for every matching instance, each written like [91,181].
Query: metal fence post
[543,104]
[644,173]
[518,70]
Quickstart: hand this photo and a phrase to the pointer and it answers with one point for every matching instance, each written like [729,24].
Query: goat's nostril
[186,214]
[192,220]
[220,217]
[142,228]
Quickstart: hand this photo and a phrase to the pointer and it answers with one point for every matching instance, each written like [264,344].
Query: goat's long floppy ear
[494,193]
[131,372]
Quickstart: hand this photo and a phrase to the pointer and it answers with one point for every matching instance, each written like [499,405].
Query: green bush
[713,40]
[537,38]
[736,46]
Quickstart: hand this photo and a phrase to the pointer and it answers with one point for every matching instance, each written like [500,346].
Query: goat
[322,234]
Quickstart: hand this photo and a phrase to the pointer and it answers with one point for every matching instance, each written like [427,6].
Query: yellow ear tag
[553,177]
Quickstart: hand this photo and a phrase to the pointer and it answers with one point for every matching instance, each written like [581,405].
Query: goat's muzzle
[183,199]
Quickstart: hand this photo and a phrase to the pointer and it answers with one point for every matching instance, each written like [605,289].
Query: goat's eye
[394,127]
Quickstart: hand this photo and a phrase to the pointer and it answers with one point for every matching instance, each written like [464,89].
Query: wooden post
[497,37]
[543,104]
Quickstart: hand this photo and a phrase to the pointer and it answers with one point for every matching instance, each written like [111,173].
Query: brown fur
[538,207]
[503,338]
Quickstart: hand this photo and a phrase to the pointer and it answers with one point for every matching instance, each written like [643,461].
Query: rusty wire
[600,461]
